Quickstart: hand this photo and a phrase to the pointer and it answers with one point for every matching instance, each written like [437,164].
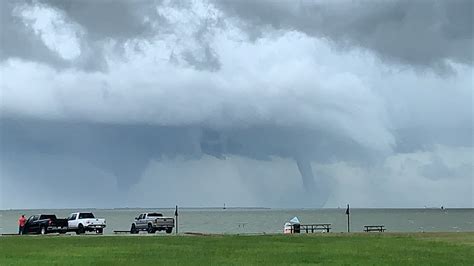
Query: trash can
[296,228]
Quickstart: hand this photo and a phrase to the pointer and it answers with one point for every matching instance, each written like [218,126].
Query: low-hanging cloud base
[110,104]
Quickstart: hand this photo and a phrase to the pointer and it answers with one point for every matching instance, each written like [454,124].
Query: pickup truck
[152,222]
[45,223]
[81,222]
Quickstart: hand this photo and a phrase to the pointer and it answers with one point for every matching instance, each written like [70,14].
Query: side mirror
[136,218]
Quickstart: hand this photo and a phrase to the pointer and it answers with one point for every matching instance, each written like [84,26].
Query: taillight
[49,222]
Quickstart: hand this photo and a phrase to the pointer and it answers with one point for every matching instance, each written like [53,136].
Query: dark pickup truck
[44,224]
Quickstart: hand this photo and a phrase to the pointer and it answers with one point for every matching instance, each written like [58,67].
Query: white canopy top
[295,220]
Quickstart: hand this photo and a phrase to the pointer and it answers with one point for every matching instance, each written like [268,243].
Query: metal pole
[176,220]
[348,219]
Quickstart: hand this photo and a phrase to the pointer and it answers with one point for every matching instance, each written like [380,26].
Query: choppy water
[272,220]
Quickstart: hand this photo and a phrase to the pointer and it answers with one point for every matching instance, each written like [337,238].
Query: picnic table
[313,227]
[374,228]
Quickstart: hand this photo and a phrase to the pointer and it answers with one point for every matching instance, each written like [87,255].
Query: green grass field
[349,249]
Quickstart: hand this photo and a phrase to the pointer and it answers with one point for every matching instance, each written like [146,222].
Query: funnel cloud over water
[197,103]
[304,166]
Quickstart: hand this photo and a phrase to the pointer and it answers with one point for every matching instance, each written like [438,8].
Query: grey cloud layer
[420,33]
[121,89]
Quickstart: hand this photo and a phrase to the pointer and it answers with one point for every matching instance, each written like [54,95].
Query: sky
[249,103]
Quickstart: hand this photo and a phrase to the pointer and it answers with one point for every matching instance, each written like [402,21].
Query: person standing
[21,224]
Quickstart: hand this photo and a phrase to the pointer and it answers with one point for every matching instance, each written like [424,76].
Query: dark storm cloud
[420,33]
[101,21]
[125,150]
[18,41]
[142,93]
[111,23]
[108,18]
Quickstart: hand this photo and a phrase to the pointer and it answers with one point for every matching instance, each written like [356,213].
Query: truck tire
[43,230]
[99,231]
[169,230]
[80,229]
[133,229]
[150,229]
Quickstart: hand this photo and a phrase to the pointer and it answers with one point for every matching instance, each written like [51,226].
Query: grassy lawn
[372,249]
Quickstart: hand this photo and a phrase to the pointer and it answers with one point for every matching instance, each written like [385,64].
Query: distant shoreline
[245,208]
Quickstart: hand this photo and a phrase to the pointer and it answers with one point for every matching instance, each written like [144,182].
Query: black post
[176,218]
[348,219]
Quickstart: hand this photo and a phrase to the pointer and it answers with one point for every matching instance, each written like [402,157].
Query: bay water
[266,220]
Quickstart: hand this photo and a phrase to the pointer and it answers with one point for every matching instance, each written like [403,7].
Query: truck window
[30,219]
[155,214]
[86,215]
[140,216]
[72,217]
[48,216]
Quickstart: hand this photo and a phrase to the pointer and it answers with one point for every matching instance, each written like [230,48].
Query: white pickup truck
[152,222]
[81,222]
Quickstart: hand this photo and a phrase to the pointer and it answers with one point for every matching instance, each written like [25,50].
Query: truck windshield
[86,215]
[155,214]
[47,216]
